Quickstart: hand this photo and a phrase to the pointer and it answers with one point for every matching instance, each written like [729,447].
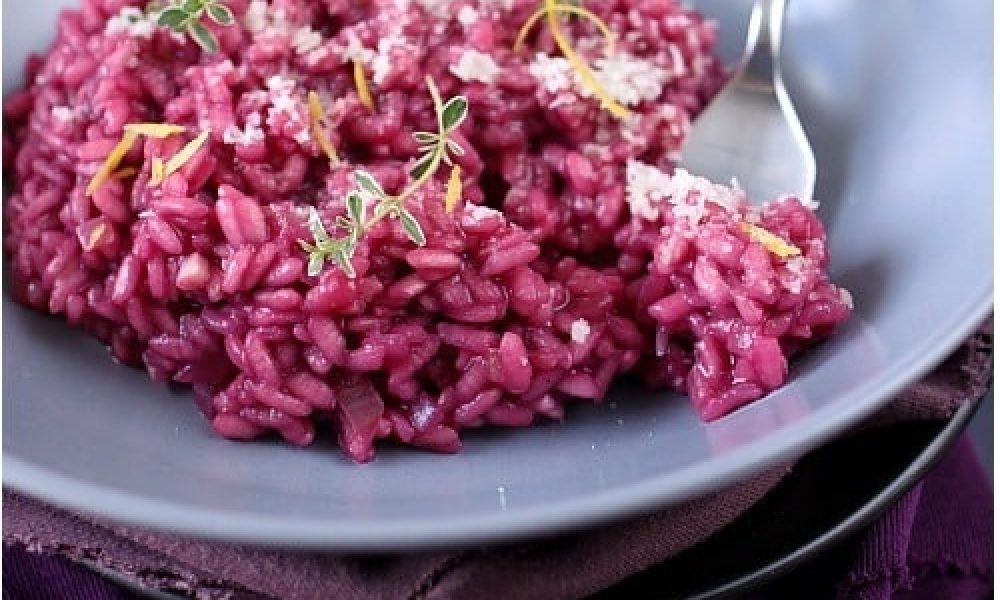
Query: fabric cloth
[570,566]
[937,542]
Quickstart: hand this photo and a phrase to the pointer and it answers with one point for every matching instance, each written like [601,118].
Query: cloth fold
[570,566]
[930,544]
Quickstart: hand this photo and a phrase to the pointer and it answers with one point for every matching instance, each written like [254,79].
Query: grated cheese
[305,40]
[63,113]
[256,18]
[628,79]
[553,73]
[476,66]
[284,104]
[796,267]
[579,331]
[437,8]
[646,186]
[382,62]
[846,298]
[468,16]
[354,51]
[132,21]
[478,213]
[251,133]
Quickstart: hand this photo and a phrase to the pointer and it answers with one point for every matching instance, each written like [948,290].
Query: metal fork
[750,130]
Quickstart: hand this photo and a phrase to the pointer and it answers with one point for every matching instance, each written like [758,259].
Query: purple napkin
[936,542]
[927,539]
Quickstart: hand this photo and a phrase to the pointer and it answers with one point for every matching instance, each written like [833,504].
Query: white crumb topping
[132,21]
[479,213]
[437,8]
[305,40]
[796,267]
[393,41]
[644,185]
[354,50]
[579,331]
[647,186]
[63,114]
[284,104]
[628,79]
[467,16]
[476,66]
[279,83]
[846,298]
[553,73]
[256,18]
[250,134]
[381,64]
[422,414]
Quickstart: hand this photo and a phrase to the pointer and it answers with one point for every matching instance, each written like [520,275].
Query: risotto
[398,219]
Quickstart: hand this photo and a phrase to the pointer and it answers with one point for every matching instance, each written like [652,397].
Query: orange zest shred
[124,173]
[132,133]
[609,36]
[317,117]
[112,161]
[364,94]
[453,192]
[612,105]
[184,154]
[155,130]
[773,243]
[95,236]
[157,171]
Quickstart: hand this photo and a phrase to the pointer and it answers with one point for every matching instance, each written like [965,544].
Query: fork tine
[751,131]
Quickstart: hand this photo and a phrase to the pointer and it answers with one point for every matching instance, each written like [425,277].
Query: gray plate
[897,98]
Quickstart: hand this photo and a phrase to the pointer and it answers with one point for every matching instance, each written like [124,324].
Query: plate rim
[424,533]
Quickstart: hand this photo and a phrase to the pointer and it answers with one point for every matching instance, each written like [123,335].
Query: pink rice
[506,316]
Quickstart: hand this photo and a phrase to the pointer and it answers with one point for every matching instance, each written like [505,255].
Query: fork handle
[763,50]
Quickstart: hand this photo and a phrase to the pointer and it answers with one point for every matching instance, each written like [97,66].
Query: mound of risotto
[398,219]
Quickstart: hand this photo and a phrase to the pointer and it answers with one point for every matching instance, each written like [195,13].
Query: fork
[750,131]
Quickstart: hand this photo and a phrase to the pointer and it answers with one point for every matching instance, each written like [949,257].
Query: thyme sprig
[435,149]
[185,17]
[336,250]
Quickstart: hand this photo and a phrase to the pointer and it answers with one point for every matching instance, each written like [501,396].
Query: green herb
[435,149]
[185,17]
[336,250]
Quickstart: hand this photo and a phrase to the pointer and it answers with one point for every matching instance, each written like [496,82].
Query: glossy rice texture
[543,286]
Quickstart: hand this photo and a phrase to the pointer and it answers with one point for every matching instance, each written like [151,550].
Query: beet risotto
[397,219]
